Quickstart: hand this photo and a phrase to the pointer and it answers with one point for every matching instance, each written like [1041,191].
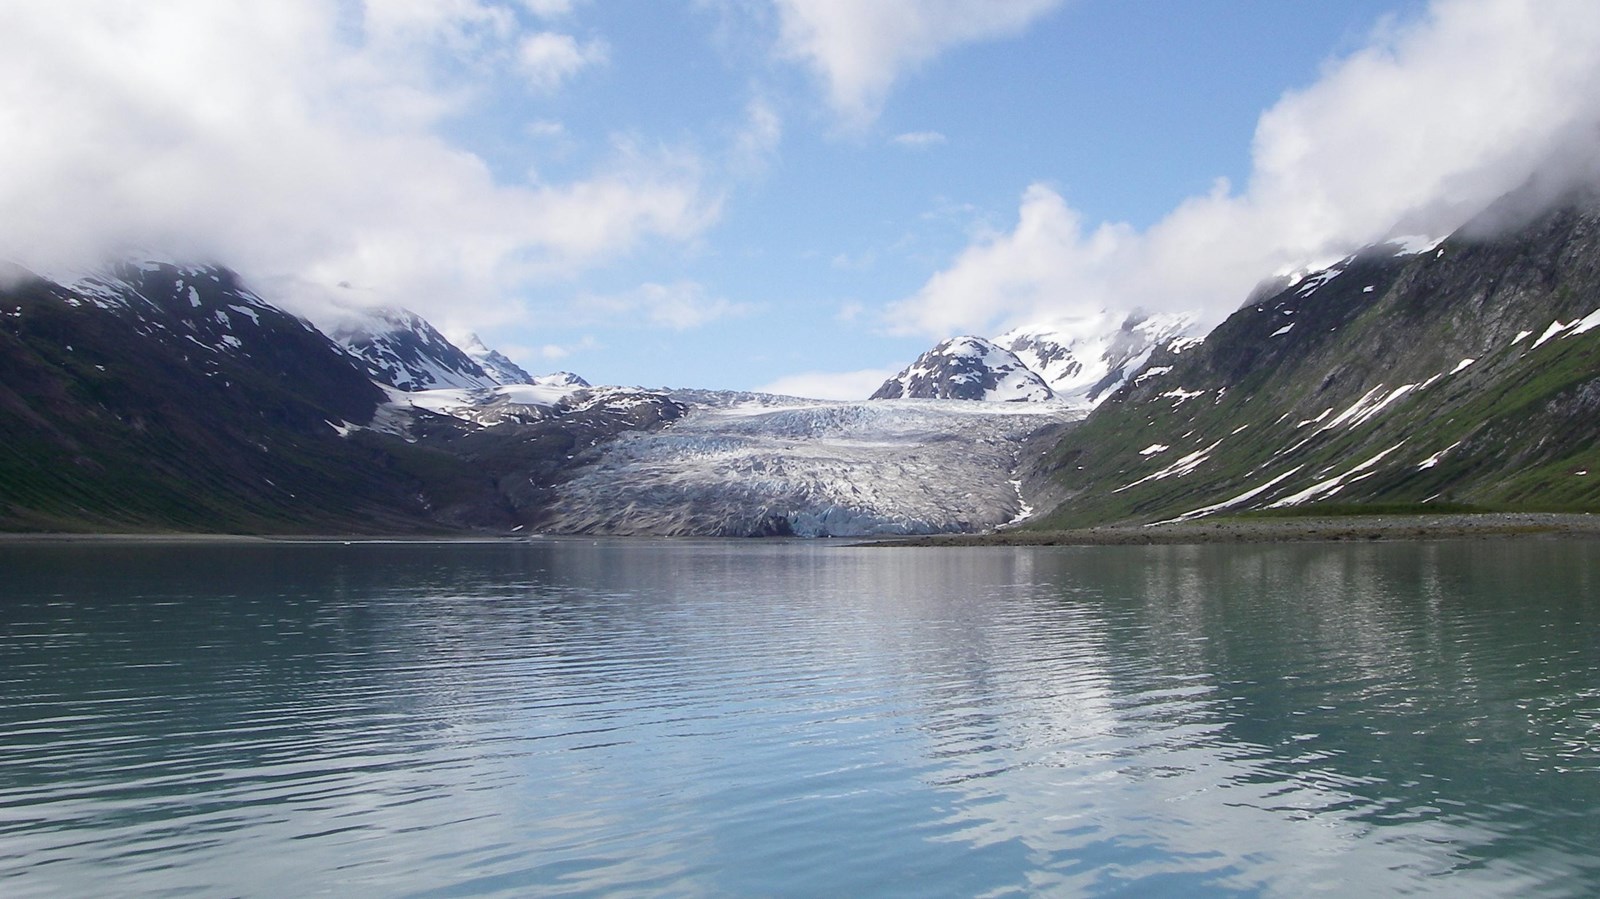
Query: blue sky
[790,194]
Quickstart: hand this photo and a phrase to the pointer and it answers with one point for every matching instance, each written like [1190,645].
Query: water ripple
[648,718]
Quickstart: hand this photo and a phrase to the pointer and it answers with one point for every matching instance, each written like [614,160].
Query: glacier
[740,464]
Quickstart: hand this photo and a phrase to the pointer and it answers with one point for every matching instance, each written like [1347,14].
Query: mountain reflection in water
[799,718]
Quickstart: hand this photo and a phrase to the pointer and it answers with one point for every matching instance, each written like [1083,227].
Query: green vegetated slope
[1466,374]
[181,403]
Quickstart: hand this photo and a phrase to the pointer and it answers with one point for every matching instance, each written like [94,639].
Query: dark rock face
[966,368]
[1462,374]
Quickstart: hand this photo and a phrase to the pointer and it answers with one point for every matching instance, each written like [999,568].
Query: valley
[156,395]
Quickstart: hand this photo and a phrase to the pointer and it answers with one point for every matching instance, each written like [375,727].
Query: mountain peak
[494,363]
[1085,359]
[400,348]
[967,368]
[559,379]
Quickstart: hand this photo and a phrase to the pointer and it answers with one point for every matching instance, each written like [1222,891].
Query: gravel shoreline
[1219,530]
[253,539]
[1283,530]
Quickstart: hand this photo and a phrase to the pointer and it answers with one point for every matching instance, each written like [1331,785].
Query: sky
[789,195]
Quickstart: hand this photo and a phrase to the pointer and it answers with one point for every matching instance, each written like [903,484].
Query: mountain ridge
[1464,374]
[1078,362]
[159,396]
[152,395]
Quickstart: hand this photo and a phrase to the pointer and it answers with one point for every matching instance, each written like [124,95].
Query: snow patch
[1326,488]
[1182,396]
[1557,328]
[1436,458]
[1587,323]
[1311,421]
[1414,244]
[1154,371]
[1024,509]
[1185,465]
[1244,497]
[1368,407]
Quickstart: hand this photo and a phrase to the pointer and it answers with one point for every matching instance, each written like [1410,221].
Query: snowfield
[750,464]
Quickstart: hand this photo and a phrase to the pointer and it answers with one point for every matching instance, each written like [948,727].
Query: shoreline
[1332,529]
[252,539]
[1283,530]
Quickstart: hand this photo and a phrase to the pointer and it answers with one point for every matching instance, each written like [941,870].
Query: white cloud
[555,352]
[822,385]
[1045,262]
[1413,134]
[679,306]
[918,139]
[548,9]
[281,140]
[861,47]
[548,58]
[459,25]
[545,129]
[756,143]
[858,263]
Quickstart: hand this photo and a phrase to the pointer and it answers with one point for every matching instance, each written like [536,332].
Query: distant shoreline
[254,539]
[1282,530]
[1204,531]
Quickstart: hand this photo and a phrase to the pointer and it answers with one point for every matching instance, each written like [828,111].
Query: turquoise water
[799,718]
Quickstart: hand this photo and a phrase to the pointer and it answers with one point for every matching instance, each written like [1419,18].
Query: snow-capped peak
[559,379]
[401,349]
[146,278]
[1084,360]
[494,363]
[967,368]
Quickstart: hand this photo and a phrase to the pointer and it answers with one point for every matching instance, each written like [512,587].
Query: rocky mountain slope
[1085,361]
[159,396]
[1078,363]
[1465,374]
[495,364]
[156,395]
[966,368]
[400,348]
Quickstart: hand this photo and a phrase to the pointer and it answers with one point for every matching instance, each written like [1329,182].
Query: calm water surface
[791,718]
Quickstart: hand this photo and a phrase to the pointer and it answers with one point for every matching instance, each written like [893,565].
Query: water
[799,718]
